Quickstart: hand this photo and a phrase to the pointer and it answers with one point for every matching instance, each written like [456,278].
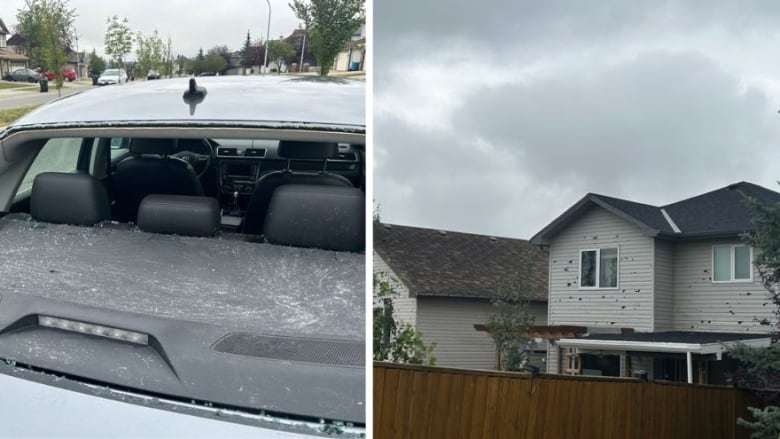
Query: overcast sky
[494,120]
[191,24]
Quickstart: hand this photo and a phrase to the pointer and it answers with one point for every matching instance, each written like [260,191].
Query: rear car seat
[179,215]
[66,198]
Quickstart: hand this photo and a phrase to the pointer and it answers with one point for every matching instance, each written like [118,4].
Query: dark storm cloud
[642,128]
[496,118]
[529,21]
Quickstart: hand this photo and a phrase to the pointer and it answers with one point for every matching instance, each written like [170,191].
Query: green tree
[46,26]
[396,341]
[330,25]
[245,54]
[762,365]
[280,52]
[223,52]
[149,52]
[118,40]
[510,318]
[214,63]
[96,63]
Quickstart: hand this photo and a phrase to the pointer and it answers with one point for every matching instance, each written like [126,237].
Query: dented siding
[701,305]
[449,322]
[405,306]
[628,306]
[664,286]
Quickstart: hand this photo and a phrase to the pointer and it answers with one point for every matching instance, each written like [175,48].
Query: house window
[732,263]
[599,268]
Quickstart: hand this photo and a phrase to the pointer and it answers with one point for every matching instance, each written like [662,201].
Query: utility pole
[78,55]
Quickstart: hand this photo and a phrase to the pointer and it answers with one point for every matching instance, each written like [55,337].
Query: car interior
[305,194]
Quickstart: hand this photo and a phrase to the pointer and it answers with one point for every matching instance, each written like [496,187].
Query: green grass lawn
[4,85]
[8,116]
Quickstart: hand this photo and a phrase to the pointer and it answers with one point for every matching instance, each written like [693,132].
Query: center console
[239,169]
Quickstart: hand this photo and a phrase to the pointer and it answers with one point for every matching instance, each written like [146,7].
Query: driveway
[20,97]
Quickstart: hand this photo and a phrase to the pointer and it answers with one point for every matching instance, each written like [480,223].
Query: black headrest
[179,215]
[142,145]
[293,149]
[326,217]
[64,198]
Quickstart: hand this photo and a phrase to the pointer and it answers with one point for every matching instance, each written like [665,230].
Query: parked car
[113,76]
[152,75]
[207,74]
[67,75]
[175,248]
[25,74]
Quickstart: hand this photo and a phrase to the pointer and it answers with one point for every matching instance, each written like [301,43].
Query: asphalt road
[20,98]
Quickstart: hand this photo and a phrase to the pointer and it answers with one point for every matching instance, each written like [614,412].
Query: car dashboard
[239,164]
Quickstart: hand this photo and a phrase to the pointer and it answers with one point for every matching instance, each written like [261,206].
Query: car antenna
[194,95]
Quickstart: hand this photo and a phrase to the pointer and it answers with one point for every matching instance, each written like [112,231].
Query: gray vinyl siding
[553,357]
[405,306]
[664,286]
[628,306]
[701,305]
[449,322]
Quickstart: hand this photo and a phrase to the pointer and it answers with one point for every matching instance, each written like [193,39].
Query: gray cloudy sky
[191,24]
[495,119]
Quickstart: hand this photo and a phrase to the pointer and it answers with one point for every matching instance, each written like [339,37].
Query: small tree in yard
[330,25]
[280,51]
[396,341]
[510,319]
[118,40]
[762,365]
[96,63]
[46,26]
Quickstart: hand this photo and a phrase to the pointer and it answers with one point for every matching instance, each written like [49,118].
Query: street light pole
[267,38]
[303,48]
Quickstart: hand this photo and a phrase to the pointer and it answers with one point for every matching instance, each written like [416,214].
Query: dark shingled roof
[691,337]
[721,211]
[442,263]
[718,213]
[16,40]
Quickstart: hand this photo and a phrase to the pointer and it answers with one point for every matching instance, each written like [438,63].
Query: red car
[67,75]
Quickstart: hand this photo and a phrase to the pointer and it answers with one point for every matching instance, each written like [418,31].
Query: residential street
[12,98]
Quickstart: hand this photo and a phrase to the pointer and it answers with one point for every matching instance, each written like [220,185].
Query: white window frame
[598,269]
[731,264]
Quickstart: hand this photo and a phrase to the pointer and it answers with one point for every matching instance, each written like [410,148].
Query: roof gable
[442,263]
[719,213]
[3,28]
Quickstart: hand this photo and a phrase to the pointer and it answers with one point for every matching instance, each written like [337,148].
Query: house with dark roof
[446,281]
[661,289]
[9,59]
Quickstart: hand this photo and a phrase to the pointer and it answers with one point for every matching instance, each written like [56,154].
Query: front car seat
[150,170]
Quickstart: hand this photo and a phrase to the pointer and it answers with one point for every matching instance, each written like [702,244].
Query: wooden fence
[430,402]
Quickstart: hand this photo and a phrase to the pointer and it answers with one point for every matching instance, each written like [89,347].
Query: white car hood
[31,409]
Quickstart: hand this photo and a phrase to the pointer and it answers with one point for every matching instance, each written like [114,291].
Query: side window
[599,268]
[57,155]
[119,147]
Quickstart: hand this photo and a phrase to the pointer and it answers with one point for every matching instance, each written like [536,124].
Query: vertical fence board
[427,402]
[467,402]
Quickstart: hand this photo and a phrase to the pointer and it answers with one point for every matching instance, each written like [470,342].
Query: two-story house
[662,289]
[445,281]
[9,59]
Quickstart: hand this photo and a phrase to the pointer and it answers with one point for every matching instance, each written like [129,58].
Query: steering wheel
[199,162]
